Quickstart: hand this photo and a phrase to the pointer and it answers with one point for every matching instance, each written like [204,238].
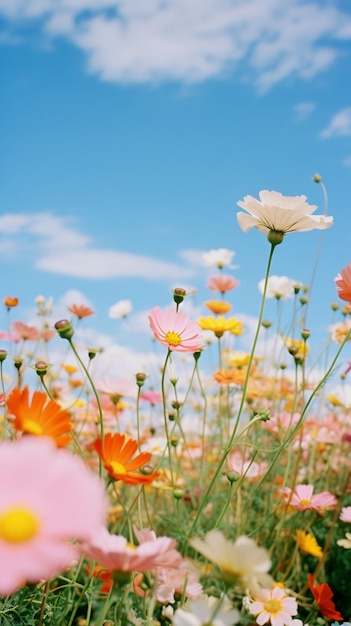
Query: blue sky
[130,129]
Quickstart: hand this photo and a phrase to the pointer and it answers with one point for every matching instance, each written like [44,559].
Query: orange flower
[219,307]
[80,310]
[43,417]
[11,301]
[116,452]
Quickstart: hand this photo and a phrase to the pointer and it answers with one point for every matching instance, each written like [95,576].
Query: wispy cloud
[61,249]
[339,125]
[303,110]
[141,41]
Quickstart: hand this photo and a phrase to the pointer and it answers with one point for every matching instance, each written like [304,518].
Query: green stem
[243,399]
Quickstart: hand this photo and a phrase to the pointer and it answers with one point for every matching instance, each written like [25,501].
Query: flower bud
[41,368]
[140,378]
[64,329]
[178,295]
[3,355]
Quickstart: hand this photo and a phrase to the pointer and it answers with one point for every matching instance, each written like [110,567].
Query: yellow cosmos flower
[307,543]
[218,307]
[220,325]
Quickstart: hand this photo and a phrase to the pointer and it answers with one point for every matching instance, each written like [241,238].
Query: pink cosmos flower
[345,514]
[172,572]
[25,332]
[274,606]
[153,397]
[117,555]
[302,498]
[239,463]
[343,283]
[175,330]
[222,283]
[117,388]
[48,499]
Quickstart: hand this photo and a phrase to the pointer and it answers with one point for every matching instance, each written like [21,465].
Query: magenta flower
[302,498]
[48,499]
[175,330]
[345,514]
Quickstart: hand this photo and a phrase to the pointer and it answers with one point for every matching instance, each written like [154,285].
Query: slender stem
[243,399]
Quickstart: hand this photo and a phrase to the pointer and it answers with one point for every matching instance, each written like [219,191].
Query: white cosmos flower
[206,610]
[278,213]
[222,257]
[241,561]
[122,308]
[280,287]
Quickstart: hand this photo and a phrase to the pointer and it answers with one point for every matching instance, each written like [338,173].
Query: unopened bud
[317,178]
[64,329]
[305,333]
[178,295]
[3,355]
[178,493]
[41,368]
[140,378]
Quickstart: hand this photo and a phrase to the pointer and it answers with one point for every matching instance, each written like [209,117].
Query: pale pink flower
[48,499]
[172,571]
[345,514]
[25,332]
[222,283]
[115,553]
[153,397]
[343,283]
[174,330]
[278,213]
[117,387]
[302,498]
[171,581]
[245,467]
[274,606]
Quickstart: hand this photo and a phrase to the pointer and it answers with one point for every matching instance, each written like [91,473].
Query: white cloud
[62,249]
[141,41]
[303,110]
[94,263]
[339,125]
[347,161]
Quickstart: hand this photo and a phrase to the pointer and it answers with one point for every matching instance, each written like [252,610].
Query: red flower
[323,596]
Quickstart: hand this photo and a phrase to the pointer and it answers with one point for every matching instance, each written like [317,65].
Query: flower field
[184,496]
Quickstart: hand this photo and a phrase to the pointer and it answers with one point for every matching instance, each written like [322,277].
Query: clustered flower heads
[189,492]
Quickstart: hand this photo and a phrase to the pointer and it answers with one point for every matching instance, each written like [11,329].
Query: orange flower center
[272,606]
[18,524]
[31,427]
[173,339]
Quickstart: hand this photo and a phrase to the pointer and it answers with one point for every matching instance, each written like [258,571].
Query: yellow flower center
[117,467]
[305,502]
[272,606]
[31,427]
[18,525]
[173,339]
